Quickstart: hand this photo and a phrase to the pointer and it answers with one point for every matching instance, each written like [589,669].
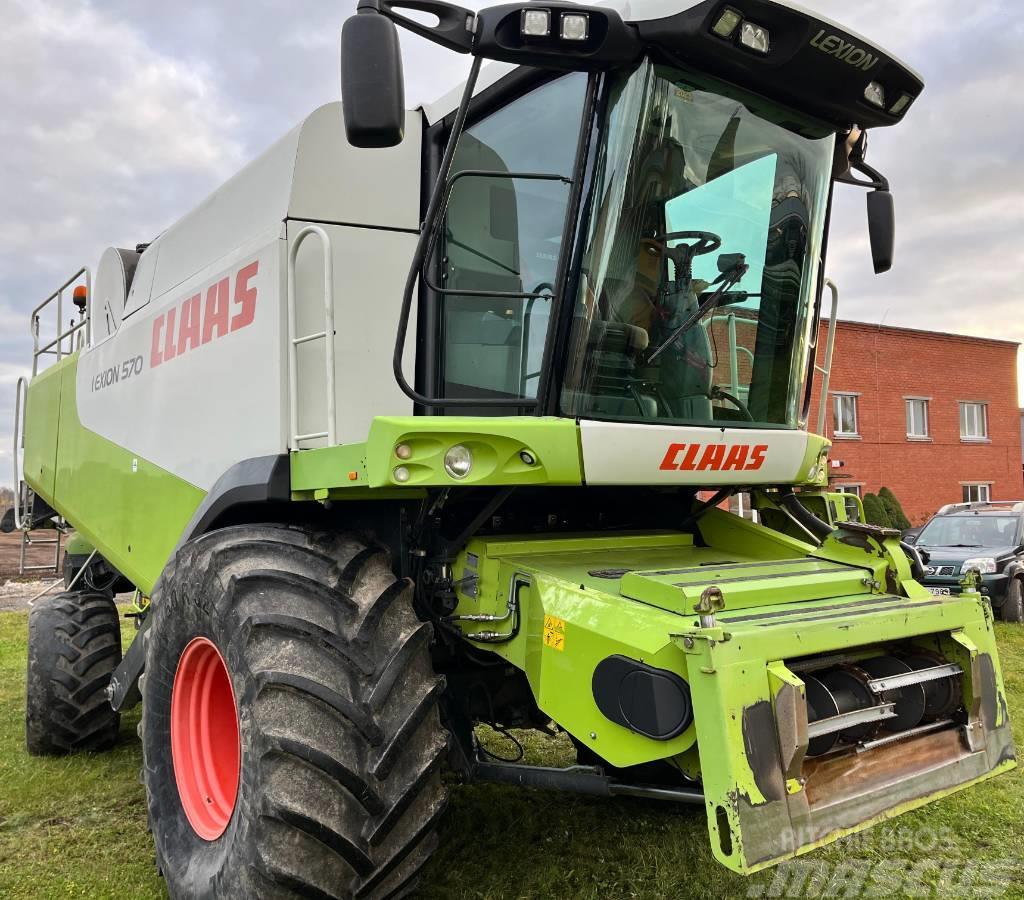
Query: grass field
[77,828]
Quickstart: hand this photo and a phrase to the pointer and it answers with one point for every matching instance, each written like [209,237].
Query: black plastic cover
[881,229]
[652,702]
[812,65]
[372,88]
[609,43]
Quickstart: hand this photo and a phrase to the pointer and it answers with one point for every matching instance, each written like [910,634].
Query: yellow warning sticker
[554,632]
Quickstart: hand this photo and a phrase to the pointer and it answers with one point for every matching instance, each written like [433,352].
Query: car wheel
[1013,603]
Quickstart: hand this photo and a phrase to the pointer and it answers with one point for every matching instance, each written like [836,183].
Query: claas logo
[714,457]
[193,323]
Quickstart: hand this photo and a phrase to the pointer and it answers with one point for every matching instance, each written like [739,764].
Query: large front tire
[339,741]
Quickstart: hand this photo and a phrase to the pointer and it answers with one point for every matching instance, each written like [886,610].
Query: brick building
[934,417]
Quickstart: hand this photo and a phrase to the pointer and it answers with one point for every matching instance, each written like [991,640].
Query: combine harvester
[433,426]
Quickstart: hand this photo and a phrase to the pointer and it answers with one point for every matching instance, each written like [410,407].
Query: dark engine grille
[940,571]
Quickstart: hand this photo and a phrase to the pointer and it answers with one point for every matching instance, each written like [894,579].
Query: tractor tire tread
[342,708]
[74,648]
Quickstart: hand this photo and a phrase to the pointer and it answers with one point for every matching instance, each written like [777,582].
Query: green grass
[77,828]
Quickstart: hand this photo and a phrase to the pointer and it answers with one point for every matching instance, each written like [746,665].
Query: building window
[977,493]
[857,489]
[973,421]
[844,415]
[917,417]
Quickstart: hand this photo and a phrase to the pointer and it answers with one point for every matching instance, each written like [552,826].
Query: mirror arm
[876,180]
[454,29]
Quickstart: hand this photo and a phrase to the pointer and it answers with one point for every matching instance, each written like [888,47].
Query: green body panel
[813,472]
[77,545]
[583,599]
[42,415]
[130,510]
[496,445]
[679,589]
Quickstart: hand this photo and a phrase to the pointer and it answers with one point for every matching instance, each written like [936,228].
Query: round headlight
[403,451]
[401,474]
[458,461]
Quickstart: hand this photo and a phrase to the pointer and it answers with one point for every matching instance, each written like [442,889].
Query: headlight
[984,564]
[458,461]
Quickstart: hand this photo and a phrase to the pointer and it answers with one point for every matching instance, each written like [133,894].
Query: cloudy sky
[117,117]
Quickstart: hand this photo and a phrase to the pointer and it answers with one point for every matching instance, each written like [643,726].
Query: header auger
[433,425]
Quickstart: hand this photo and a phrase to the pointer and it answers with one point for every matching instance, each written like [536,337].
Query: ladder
[24,500]
[830,343]
[326,335]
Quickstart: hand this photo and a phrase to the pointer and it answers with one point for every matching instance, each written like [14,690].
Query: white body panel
[370,267]
[198,413]
[196,396]
[626,453]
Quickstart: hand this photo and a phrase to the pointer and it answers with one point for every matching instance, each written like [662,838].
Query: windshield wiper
[724,281]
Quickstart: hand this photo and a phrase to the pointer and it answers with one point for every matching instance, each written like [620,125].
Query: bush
[894,509]
[875,511]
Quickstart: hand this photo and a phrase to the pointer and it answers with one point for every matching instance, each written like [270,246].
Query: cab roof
[814,65]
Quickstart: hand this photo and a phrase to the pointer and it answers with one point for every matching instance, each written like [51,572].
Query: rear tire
[1013,603]
[74,645]
[339,785]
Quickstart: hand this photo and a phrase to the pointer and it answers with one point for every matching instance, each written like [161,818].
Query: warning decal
[554,632]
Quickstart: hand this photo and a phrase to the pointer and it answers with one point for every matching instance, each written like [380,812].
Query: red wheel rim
[205,746]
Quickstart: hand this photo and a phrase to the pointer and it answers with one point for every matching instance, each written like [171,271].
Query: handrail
[734,349]
[327,335]
[20,390]
[58,341]
[830,343]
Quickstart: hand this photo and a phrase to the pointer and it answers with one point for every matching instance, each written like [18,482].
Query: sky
[116,118]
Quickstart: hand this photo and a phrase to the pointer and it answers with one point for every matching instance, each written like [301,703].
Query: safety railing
[327,335]
[83,327]
[830,342]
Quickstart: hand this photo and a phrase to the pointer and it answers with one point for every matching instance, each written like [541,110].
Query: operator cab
[630,225]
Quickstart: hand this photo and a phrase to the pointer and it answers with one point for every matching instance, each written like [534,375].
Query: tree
[894,509]
[875,511]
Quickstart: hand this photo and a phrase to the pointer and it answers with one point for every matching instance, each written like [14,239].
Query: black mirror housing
[372,87]
[881,229]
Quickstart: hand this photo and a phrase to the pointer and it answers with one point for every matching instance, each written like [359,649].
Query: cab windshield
[700,261]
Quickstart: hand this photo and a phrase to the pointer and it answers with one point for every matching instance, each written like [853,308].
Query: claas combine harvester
[429,418]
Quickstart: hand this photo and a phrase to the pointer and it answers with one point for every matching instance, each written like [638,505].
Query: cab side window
[503,235]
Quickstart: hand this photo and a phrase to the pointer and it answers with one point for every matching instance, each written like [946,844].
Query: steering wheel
[682,256]
[706,241]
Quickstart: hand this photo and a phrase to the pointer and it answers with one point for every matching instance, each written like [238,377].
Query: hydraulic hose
[916,564]
[821,530]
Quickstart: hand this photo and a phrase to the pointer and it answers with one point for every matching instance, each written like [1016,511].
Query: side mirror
[881,229]
[372,87]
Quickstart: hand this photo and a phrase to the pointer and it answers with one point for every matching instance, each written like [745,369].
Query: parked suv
[988,537]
